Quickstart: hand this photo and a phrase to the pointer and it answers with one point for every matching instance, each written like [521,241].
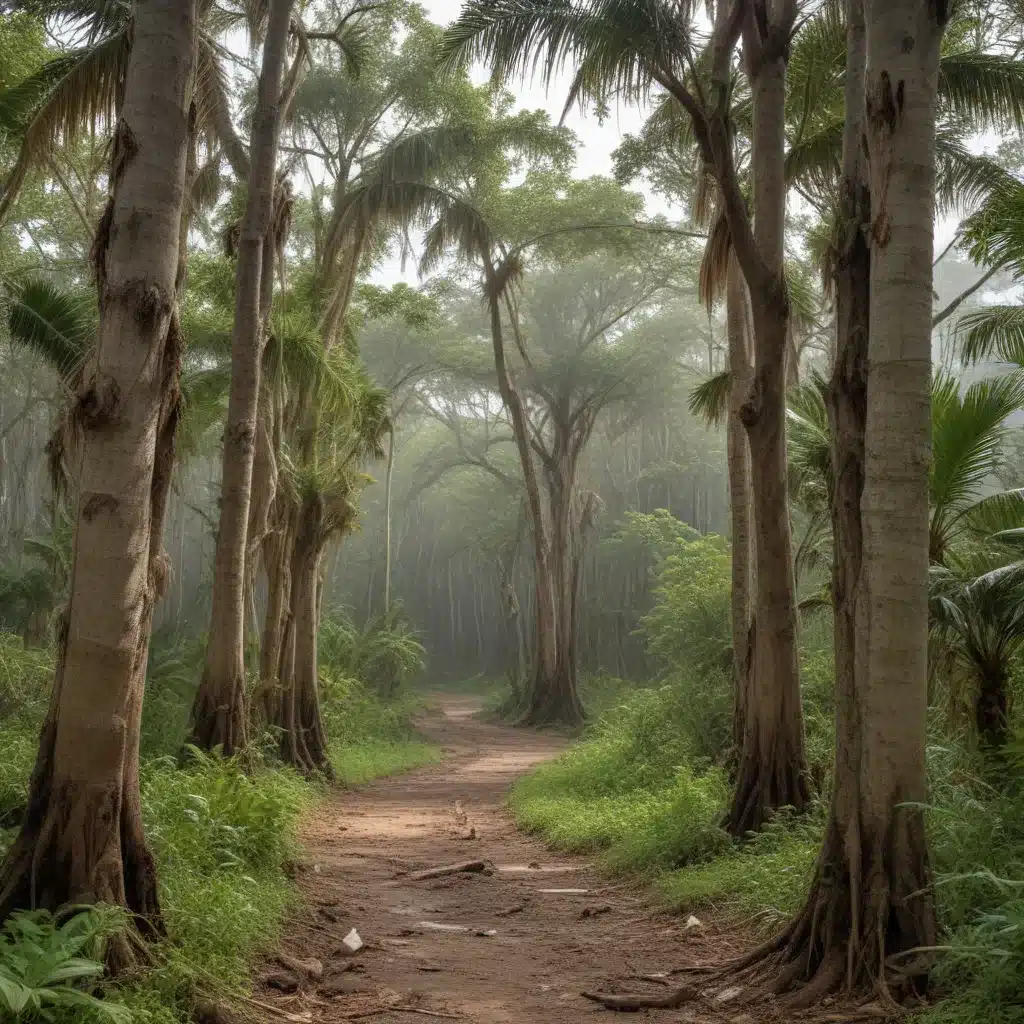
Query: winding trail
[517,946]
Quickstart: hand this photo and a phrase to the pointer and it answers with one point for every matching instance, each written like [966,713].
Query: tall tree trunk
[739,496]
[303,741]
[552,697]
[82,839]
[772,766]
[220,712]
[387,519]
[871,894]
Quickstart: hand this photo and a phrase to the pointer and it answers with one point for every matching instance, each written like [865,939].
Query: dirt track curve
[514,946]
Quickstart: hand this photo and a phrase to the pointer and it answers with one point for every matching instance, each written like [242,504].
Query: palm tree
[82,839]
[979,623]
[322,481]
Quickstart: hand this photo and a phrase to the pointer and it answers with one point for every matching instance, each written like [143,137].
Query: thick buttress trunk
[772,766]
[740,510]
[220,711]
[871,895]
[82,839]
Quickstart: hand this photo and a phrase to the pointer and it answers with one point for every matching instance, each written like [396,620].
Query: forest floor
[515,944]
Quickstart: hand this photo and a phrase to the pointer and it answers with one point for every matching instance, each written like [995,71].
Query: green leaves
[41,961]
[57,324]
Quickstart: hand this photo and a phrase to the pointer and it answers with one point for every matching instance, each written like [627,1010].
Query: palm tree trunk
[991,709]
[772,766]
[871,896]
[387,520]
[220,712]
[82,839]
[739,496]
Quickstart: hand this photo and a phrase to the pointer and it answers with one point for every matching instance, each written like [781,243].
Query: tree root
[632,1003]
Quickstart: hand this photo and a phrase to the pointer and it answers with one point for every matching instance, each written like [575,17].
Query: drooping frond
[997,513]
[709,400]
[57,324]
[80,92]
[993,330]
[809,444]
[714,264]
[963,179]
[995,234]
[451,221]
[611,44]
[984,89]
[204,395]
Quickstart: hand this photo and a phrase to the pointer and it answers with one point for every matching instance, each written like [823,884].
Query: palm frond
[997,514]
[85,92]
[995,233]
[967,437]
[612,44]
[962,178]
[709,400]
[57,324]
[714,264]
[993,330]
[984,89]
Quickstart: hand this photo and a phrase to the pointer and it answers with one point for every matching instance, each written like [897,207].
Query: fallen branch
[297,1018]
[469,866]
[631,1003]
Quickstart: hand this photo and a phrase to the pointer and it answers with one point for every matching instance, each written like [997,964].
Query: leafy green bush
[689,623]
[385,653]
[45,964]
[629,789]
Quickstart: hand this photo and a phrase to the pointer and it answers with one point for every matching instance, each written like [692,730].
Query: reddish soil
[502,947]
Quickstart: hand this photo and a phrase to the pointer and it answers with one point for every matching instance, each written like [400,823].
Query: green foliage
[765,879]
[385,653]
[689,624]
[45,963]
[629,789]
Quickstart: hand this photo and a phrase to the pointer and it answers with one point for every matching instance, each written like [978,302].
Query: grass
[222,836]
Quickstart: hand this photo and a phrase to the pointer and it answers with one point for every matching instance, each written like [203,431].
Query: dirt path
[518,945]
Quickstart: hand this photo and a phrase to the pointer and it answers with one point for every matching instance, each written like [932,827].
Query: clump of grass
[765,878]
[630,790]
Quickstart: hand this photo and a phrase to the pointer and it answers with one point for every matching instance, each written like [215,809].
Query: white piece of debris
[352,942]
[566,892]
[692,922]
[727,995]
[435,926]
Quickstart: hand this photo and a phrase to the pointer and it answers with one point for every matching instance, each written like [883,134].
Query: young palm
[978,621]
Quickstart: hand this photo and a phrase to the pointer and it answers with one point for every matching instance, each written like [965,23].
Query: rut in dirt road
[515,943]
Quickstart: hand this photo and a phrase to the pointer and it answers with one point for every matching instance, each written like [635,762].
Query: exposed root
[632,1003]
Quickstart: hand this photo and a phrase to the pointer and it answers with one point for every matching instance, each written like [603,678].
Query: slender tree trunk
[772,766]
[552,697]
[387,520]
[303,741]
[220,712]
[739,497]
[871,897]
[82,839]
